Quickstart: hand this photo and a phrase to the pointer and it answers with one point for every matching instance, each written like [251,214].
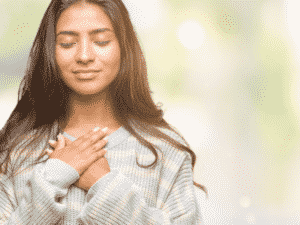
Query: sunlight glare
[191,34]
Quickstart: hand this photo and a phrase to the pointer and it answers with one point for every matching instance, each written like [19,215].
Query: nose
[85,52]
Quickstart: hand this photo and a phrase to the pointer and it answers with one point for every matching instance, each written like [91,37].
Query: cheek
[63,58]
[111,56]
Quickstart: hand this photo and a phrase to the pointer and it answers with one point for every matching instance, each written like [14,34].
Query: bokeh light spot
[191,34]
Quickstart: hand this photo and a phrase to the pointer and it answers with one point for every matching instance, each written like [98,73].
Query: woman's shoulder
[170,151]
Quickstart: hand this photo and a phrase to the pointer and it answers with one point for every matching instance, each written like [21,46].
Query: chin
[89,92]
[88,89]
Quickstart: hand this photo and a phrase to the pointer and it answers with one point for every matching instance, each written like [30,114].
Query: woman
[87,70]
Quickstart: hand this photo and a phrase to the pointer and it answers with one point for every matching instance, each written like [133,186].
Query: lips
[86,75]
[86,71]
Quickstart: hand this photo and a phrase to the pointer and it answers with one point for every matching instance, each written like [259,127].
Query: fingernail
[49,151]
[105,129]
[96,129]
[59,136]
[52,142]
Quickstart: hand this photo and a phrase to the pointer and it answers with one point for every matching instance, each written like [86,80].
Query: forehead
[83,17]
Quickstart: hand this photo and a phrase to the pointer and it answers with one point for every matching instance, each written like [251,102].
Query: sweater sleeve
[40,203]
[115,199]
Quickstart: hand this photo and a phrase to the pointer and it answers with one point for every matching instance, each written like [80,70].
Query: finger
[61,142]
[84,137]
[94,138]
[49,151]
[101,153]
[90,137]
[68,141]
[99,145]
[98,155]
[53,143]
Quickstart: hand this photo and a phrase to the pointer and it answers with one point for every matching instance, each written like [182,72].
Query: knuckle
[83,145]
[93,138]
[90,140]
[94,148]
[101,143]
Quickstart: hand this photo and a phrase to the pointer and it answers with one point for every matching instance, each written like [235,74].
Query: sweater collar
[114,138]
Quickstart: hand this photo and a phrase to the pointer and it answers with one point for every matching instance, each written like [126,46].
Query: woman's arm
[115,199]
[40,204]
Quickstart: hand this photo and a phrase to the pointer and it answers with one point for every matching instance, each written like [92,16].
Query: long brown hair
[43,96]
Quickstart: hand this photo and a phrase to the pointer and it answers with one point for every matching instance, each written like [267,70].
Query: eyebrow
[73,33]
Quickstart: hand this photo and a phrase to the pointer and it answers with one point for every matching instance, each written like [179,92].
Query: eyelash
[64,45]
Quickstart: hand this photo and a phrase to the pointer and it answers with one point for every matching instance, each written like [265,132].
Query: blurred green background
[227,74]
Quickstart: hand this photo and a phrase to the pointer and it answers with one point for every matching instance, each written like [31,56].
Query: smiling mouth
[86,76]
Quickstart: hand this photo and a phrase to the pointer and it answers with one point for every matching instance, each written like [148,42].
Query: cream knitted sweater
[161,194]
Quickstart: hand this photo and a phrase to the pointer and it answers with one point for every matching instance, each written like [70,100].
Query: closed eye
[69,45]
[64,45]
[103,43]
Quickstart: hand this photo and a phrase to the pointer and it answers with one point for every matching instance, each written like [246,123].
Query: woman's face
[86,41]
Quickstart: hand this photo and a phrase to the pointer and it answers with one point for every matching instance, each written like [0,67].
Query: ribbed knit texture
[161,194]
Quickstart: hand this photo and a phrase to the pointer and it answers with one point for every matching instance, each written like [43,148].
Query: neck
[90,111]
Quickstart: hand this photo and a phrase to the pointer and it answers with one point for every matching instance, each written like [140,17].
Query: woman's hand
[96,171]
[81,153]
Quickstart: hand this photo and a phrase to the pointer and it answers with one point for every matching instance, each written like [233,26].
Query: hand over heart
[96,171]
